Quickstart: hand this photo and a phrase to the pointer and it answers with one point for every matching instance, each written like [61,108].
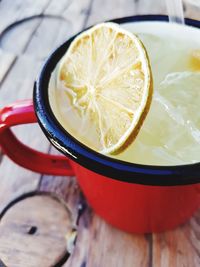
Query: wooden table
[44,220]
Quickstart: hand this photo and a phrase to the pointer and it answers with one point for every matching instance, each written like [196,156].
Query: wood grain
[97,243]
[192,11]
[18,75]
[39,225]
[12,11]
[6,60]
[18,82]
[180,247]
[106,10]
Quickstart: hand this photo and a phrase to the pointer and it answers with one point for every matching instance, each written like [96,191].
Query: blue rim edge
[90,159]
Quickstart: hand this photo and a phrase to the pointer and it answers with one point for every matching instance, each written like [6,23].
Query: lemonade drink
[170,134]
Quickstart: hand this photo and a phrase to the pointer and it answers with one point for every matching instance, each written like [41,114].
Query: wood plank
[33,232]
[15,180]
[56,31]
[150,7]
[99,244]
[15,86]
[6,60]
[106,10]
[80,10]
[18,84]
[12,11]
[59,9]
[180,247]
[11,44]
[15,36]
[191,10]
[66,189]
[159,7]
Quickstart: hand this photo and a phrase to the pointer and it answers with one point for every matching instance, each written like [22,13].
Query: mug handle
[22,112]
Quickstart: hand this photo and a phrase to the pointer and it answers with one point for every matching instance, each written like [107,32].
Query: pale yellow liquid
[170,134]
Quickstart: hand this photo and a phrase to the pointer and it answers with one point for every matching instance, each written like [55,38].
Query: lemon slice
[107,77]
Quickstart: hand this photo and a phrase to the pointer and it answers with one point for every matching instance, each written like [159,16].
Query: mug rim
[112,168]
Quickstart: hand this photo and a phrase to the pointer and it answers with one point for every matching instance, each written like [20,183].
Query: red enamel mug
[135,198]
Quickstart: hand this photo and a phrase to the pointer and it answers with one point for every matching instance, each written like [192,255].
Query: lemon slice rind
[139,116]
